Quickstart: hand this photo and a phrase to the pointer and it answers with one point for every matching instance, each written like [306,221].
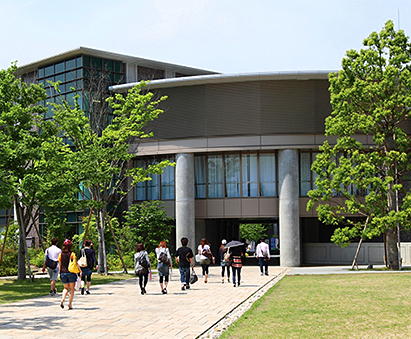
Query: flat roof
[32,66]
[226,78]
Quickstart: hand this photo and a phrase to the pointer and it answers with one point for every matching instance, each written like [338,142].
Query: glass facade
[159,186]
[307,177]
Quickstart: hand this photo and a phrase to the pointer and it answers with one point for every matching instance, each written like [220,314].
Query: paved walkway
[118,310]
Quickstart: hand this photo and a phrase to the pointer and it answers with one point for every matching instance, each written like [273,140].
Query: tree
[32,158]
[101,155]
[252,232]
[148,223]
[371,95]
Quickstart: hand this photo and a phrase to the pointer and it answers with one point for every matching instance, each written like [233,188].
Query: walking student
[184,256]
[164,263]
[263,255]
[52,253]
[204,250]
[224,263]
[88,270]
[142,267]
[68,272]
[236,255]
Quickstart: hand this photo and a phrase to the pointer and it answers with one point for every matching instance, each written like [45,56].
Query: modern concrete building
[243,146]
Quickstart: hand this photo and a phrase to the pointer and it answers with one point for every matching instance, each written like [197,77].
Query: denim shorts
[68,277]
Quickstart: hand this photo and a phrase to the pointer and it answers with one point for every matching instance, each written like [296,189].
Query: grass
[12,290]
[330,306]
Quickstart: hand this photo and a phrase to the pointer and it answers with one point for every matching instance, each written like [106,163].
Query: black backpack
[143,261]
[163,257]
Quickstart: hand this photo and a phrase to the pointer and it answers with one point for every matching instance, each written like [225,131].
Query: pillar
[185,209]
[289,210]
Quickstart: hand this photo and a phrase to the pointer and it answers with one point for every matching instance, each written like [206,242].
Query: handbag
[83,260]
[77,284]
[198,257]
[193,277]
[73,265]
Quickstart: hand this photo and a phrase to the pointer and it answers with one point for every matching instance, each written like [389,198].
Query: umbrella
[234,243]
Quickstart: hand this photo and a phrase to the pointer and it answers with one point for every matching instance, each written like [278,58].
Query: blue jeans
[236,271]
[184,275]
[263,262]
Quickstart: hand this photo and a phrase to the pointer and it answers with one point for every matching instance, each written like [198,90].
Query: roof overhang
[226,78]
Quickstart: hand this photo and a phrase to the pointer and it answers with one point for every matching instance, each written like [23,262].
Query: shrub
[9,263]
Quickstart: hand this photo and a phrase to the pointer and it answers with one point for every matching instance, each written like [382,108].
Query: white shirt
[201,249]
[262,247]
[53,252]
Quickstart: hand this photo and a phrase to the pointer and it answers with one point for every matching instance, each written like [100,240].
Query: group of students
[69,269]
[63,262]
[229,257]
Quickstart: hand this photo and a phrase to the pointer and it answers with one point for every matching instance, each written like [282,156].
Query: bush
[36,256]
[9,263]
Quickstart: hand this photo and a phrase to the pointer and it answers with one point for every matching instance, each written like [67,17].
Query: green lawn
[331,306]
[14,290]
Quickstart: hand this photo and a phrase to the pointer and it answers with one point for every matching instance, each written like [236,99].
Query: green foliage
[148,223]
[252,232]
[36,255]
[371,95]
[12,240]
[8,265]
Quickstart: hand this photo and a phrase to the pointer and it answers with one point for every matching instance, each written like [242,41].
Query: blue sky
[229,36]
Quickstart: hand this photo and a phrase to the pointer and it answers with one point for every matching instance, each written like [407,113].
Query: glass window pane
[41,72]
[70,64]
[96,63]
[167,183]
[305,167]
[118,78]
[79,73]
[118,67]
[108,65]
[267,175]
[59,67]
[49,70]
[70,76]
[70,98]
[86,60]
[59,77]
[215,176]
[79,62]
[250,175]
[200,176]
[153,187]
[232,175]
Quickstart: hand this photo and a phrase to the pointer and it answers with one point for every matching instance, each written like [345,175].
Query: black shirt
[184,254]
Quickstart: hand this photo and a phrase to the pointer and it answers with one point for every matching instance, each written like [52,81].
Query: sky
[228,36]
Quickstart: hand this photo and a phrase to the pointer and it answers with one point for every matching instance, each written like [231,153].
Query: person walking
[91,262]
[142,267]
[164,263]
[184,256]
[236,254]
[224,263]
[263,255]
[52,253]
[204,250]
[68,269]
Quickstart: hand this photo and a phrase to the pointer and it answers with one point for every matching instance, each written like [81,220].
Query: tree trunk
[21,259]
[392,249]
[102,260]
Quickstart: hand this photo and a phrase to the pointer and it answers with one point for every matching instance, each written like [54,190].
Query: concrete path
[118,310]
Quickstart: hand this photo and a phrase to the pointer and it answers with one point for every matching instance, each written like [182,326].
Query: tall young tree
[371,95]
[32,164]
[102,153]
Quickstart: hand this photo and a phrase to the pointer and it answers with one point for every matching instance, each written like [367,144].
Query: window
[307,177]
[268,175]
[249,167]
[215,176]
[232,175]
[200,176]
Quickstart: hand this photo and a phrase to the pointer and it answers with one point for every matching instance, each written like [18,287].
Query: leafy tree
[32,158]
[371,95]
[101,154]
[148,223]
[252,232]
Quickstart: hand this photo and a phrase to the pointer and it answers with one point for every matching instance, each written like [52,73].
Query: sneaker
[188,287]
[238,285]
[234,285]
[82,290]
[55,291]
[88,292]
[165,290]
[228,279]
[52,294]
[142,292]
[262,274]
[222,281]
[183,288]
[266,273]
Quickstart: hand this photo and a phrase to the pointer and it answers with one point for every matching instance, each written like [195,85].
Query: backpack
[227,256]
[50,263]
[163,257]
[143,261]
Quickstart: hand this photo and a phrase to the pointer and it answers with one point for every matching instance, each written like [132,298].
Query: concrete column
[289,210]
[185,209]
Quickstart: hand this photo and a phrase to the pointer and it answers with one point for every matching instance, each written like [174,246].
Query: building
[243,146]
